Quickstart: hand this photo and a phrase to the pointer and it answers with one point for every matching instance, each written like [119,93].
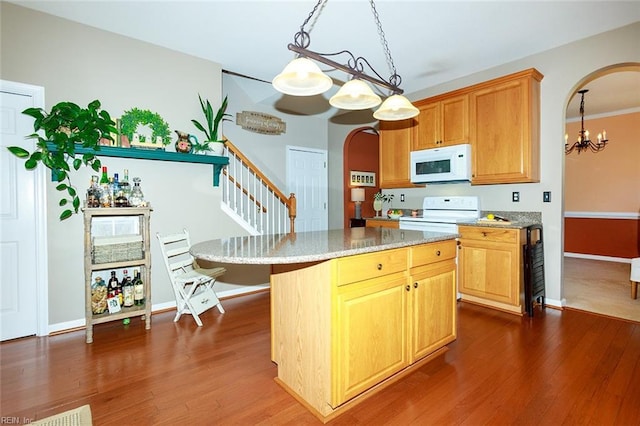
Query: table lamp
[357,196]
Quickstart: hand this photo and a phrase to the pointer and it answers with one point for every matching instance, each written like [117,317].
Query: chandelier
[583,143]
[303,77]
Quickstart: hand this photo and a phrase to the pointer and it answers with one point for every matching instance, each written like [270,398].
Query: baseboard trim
[597,257]
[79,324]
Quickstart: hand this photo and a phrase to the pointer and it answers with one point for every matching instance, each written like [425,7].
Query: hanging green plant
[131,119]
[58,133]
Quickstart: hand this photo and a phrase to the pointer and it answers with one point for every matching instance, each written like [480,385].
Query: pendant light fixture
[300,79]
[583,143]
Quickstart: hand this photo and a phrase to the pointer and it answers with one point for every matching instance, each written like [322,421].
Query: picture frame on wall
[359,178]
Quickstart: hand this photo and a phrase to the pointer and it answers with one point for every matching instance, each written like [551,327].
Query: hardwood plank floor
[601,287]
[560,367]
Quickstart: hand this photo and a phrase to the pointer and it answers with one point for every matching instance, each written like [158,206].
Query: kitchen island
[352,310]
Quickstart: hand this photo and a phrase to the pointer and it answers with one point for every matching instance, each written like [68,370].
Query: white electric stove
[441,214]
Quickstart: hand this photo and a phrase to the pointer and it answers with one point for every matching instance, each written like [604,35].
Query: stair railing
[255,201]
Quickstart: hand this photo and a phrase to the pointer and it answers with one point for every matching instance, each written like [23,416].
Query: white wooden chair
[192,285]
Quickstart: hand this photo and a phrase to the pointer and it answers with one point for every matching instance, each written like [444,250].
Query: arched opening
[602,194]
[360,154]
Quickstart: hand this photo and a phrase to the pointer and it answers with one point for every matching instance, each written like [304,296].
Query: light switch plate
[546,197]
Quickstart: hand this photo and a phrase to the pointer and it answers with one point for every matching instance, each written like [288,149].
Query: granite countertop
[517,220]
[312,246]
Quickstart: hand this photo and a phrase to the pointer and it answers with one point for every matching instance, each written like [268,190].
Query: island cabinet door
[370,329]
[432,305]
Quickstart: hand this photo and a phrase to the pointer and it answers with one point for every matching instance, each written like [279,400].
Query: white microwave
[440,165]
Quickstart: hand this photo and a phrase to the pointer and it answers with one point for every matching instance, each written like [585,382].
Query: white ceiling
[431,42]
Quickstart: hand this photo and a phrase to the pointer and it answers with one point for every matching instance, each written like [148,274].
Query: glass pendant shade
[395,107]
[302,77]
[355,95]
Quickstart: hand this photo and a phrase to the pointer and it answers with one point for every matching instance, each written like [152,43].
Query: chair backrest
[175,251]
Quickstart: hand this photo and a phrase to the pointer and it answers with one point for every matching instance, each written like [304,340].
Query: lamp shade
[302,77]
[355,94]
[395,107]
[357,194]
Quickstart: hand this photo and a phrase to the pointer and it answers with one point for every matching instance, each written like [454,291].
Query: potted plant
[378,199]
[212,142]
[66,127]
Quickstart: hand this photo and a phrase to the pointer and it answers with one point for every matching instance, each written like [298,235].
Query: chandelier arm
[356,73]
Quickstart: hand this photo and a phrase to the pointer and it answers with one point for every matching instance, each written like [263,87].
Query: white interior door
[22,229]
[307,178]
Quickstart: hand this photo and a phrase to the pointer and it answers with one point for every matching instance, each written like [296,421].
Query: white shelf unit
[143,215]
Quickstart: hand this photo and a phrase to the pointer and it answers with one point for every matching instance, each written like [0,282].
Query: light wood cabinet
[490,267]
[371,332]
[374,223]
[442,123]
[359,322]
[92,264]
[433,302]
[394,147]
[504,132]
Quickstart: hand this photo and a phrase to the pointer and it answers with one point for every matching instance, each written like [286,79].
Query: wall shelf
[157,155]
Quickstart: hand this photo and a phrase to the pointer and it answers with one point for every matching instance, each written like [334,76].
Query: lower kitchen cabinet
[359,322]
[371,334]
[383,223]
[490,267]
[433,307]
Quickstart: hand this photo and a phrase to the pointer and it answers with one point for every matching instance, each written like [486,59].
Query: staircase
[252,200]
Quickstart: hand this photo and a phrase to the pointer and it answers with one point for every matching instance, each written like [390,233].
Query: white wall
[564,68]
[78,63]
[268,152]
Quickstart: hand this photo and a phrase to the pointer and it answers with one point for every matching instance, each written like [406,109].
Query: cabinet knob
[415,285]
[438,253]
[408,288]
[379,266]
[484,234]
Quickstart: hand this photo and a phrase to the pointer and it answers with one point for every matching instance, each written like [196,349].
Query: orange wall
[602,237]
[607,181]
[360,154]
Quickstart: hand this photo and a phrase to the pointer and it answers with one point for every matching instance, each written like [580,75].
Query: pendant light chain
[395,78]
[302,38]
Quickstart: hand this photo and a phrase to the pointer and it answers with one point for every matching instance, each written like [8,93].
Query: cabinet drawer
[365,266]
[488,234]
[433,252]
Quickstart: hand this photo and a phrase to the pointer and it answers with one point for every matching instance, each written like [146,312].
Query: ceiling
[431,42]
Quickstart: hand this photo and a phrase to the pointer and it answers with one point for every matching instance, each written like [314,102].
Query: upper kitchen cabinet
[442,121]
[504,129]
[395,144]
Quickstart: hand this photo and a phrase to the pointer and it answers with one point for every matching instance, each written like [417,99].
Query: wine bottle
[138,288]
[127,290]
[104,188]
[113,287]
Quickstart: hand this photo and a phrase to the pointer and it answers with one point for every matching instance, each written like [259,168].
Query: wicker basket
[119,248]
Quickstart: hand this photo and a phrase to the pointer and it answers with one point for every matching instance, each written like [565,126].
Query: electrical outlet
[546,197]
[515,196]
[402,198]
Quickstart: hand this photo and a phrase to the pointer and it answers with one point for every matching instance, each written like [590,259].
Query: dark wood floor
[561,367]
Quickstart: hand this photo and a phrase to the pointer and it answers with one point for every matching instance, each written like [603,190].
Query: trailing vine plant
[66,128]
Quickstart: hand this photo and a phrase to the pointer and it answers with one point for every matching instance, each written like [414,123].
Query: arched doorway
[602,193]
[360,153]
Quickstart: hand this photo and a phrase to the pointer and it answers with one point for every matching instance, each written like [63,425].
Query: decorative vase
[217,148]
[377,206]
[184,144]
